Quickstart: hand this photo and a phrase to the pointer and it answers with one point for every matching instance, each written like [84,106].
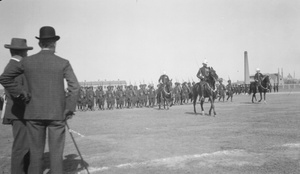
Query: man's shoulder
[204,68]
[45,54]
[12,63]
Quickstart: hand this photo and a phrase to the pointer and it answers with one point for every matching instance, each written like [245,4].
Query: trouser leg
[56,135]
[36,137]
[20,148]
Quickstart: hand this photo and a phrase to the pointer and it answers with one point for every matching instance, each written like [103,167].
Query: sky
[136,40]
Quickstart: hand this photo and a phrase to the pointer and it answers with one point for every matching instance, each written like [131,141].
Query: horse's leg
[265,101]
[254,94]
[158,101]
[211,103]
[194,103]
[260,94]
[168,103]
[165,103]
[201,104]
[212,106]
[172,100]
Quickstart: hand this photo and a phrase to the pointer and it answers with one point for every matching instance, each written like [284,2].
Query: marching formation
[133,96]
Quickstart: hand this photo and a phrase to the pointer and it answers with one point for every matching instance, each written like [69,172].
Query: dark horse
[164,95]
[209,89]
[263,87]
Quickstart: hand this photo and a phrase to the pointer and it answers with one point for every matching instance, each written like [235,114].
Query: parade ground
[242,138]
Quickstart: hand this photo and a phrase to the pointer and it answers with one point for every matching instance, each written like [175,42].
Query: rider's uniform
[258,77]
[203,76]
[203,73]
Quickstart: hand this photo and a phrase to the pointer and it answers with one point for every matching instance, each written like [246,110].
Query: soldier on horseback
[257,78]
[203,74]
[206,88]
[164,88]
[163,80]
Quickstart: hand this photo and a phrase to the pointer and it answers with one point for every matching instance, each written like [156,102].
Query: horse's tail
[196,88]
[250,90]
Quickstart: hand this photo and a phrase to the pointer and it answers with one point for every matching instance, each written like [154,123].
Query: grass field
[242,138]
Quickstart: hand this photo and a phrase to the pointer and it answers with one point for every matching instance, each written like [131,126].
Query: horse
[263,87]
[210,91]
[164,95]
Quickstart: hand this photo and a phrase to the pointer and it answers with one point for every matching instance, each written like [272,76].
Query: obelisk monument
[246,69]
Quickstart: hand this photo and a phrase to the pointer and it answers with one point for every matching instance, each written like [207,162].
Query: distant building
[238,82]
[290,77]
[290,80]
[104,84]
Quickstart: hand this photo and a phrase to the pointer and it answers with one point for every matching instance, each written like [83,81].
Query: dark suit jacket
[14,107]
[45,73]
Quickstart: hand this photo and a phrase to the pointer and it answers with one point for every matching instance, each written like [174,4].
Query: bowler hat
[47,32]
[18,44]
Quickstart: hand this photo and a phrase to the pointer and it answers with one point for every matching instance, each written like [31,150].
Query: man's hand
[24,97]
[68,114]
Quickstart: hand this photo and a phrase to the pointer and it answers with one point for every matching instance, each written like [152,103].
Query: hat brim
[48,38]
[17,48]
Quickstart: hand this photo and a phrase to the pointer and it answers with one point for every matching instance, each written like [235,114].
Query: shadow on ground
[72,164]
[192,113]
[250,103]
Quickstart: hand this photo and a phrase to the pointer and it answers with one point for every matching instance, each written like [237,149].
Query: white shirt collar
[16,58]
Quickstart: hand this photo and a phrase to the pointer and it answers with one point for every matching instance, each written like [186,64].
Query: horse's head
[213,75]
[169,83]
[265,81]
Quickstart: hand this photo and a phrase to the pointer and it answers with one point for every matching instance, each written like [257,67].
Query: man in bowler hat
[49,107]
[14,110]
